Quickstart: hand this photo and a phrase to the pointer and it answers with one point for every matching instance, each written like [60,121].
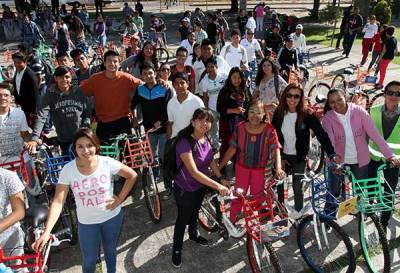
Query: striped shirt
[254,151]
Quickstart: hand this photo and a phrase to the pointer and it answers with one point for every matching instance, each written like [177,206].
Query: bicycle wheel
[378,99]
[320,88]
[207,215]
[69,219]
[374,245]
[361,99]
[315,156]
[151,195]
[162,55]
[327,253]
[339,82]
[262,256]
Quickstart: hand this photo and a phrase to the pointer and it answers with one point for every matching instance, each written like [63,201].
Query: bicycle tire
[151,195]
[162,55]
[366,249]
[69,213]
[376,100]
[323,88]
[365,100]
[272,260]
[207,218]
[348,258]
[339,82]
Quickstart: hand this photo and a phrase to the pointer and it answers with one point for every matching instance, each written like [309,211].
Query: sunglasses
[392,93]
[289,96]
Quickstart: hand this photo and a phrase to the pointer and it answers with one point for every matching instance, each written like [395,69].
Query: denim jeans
[392,178]
[90,237]
[188,203]
[157,143]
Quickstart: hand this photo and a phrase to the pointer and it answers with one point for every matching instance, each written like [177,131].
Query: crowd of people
[212,108]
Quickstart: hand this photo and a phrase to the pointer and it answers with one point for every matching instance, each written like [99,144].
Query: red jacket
[377,42]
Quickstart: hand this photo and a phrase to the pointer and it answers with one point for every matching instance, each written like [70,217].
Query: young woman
[100,216]
[62,40]
[77,32]
[348,126]
[133,63]
[369,30]
[293,124]
[134,47]
[164,74]
[99,29]
[194,154]
[232,101]
[269,84]
[256,147]
[378,40]
[195,56]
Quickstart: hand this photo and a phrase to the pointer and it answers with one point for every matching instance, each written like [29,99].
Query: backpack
[170,167]
[228,47]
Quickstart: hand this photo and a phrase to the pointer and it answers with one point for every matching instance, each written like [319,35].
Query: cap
[61,71]
[289,38]
[186,20]
[38,68]
[299,26]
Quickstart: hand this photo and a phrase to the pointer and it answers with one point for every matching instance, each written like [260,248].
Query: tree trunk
[315,10]
[234,5]
[19,5]
[34,4]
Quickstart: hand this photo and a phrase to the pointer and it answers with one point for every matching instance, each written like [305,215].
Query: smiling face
[181,87]
[267,68]
[293,97]
[201,126]
[236,80]
[337,102]
[64,82]
[181,57]
[5,98]
[85,149]
[148,51]
[149,76]
[256,113]
[392,96]
[112,63]
[165,72]
[81,62]
[206,51]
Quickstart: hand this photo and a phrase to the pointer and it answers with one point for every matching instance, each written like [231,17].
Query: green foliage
[329,14]
[383,12]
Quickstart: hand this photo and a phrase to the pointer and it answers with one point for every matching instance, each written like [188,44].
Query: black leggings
[107,130]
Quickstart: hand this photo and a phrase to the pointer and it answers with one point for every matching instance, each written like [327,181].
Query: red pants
[245,178]
[383,64]
[366,48]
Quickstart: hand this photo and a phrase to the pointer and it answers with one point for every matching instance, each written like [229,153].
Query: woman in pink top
[260,16]
[348,126]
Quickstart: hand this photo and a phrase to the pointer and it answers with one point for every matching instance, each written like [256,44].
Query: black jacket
[28,97]
[303,136]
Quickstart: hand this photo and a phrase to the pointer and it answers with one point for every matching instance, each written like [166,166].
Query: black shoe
[200,240]
[177,259]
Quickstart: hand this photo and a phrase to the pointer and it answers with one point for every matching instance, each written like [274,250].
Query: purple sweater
[362,126]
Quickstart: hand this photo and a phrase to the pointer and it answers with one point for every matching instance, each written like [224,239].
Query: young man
[26,92]
[13,128]
[111,88]
[127,11]
[180,67]
[212,29]
[182,106]
[189,42]
[154,99]
[234,53]
[389,51]
[139,23]
[199,33]
[354,25]
[299,42]
[241,21]
[274,40]
[30,32]
[84,16]
[387,119]
[287,58]
[84,70]
[209,89]
[184,30]
[68,108]
[252,47]
[251,22]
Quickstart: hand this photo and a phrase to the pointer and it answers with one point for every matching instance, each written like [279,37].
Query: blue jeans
[90,237]
[157,143]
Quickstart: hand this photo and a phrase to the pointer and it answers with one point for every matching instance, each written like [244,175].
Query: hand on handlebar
[41,242]
[225,182]
[30,146]
[394,161]
[223,190]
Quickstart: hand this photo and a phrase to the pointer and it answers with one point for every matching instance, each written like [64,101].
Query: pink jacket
[362,126]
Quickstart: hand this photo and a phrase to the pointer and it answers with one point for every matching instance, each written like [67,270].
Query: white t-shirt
[185,43]
[350,154]
[251,48]
[289,133]
[370,30]
[223,68]
[92,191]
[11,142]
[181,113]
[251,24]
[212,88]
[299,42]
[234,56]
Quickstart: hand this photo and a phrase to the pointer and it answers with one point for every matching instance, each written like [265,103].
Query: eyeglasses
[250,33]
[392,93]
[289,96]
[165,69]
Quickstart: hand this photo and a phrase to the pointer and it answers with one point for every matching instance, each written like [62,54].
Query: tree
[314,14]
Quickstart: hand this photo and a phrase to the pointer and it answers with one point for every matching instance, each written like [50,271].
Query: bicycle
[318,86]
[137,154]
[371,199]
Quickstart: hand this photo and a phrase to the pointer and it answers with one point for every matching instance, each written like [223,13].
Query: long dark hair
[327,107]
[194,57]
[283,108]
[140,57]
[260,72]
[88,133]
[200,113]
[228,83]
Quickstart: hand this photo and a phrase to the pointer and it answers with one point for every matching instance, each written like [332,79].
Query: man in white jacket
[299,42]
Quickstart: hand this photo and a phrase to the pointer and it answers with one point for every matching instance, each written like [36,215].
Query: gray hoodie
[68,113]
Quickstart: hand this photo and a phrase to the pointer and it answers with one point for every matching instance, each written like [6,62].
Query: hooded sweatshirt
[68,112]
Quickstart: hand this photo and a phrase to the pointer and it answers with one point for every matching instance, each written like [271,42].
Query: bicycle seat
[36,215]
[348,71]
[320,98]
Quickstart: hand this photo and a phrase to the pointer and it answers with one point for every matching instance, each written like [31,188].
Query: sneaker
[177,259]
[199,240]
[167,194]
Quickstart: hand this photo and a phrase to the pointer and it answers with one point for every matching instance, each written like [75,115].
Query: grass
[323,35]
